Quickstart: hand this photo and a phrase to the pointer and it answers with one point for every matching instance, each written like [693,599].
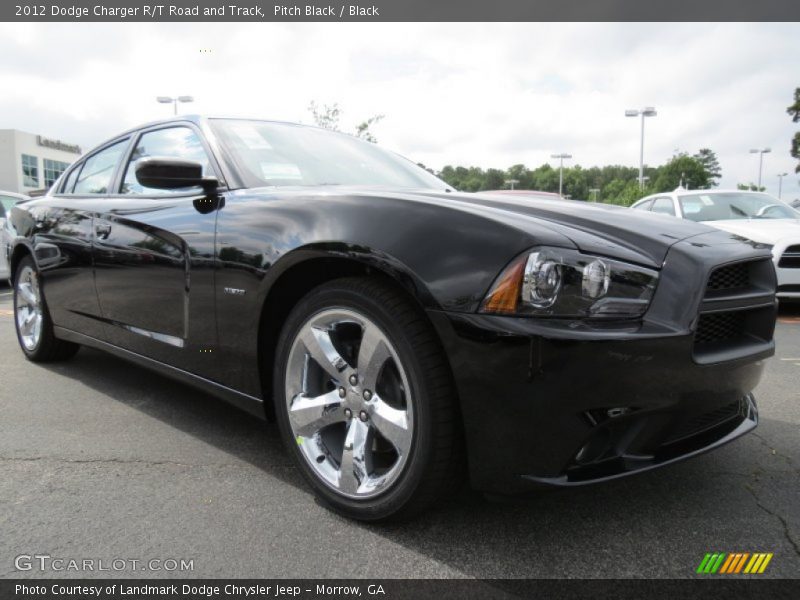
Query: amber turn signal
[504,295]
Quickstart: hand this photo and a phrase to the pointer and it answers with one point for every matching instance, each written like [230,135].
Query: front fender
[363,255]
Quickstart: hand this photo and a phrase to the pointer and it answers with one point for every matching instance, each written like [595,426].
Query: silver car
[7,200]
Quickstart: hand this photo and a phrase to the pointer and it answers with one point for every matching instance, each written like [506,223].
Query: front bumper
[569,402]
[564,404]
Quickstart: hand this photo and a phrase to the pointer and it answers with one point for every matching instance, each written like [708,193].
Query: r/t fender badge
[234,291]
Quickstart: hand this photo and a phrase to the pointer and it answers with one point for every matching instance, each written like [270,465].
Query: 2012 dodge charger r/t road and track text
[402,334]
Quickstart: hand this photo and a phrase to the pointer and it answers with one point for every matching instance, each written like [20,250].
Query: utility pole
[647,111]
[761,152]
[561,158]
[780,183]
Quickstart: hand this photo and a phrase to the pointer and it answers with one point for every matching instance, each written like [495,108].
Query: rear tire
[32,318]
[375,430]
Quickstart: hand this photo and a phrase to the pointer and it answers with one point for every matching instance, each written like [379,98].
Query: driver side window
[172,142]
[663,205]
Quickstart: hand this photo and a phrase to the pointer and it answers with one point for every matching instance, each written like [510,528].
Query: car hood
[643,238]
[764,231]
[638,237]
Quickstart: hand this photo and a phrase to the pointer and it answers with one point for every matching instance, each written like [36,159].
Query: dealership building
[31,162]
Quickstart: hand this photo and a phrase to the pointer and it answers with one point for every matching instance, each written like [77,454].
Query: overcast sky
[490,95]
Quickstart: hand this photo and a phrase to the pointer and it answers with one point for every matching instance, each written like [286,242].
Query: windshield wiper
[740,211]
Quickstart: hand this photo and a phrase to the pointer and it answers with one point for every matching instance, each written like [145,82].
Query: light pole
[647,111]
[174,101]
[512,182]
[561,158]
[761,152]
[594,192]
[780,183]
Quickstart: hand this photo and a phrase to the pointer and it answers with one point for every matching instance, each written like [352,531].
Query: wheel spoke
[392,424]
[320,347]
[309,415]
[37,328]
[27,322]
[27,294]
[353,468]
[372,355]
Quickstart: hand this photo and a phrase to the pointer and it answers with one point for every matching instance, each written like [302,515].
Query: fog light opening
[595,448]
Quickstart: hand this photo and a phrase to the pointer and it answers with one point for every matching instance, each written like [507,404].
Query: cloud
[467,93]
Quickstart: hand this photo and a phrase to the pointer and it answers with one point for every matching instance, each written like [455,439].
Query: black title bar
[402,10]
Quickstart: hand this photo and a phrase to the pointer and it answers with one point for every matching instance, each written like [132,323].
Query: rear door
[61,228]
[154,258]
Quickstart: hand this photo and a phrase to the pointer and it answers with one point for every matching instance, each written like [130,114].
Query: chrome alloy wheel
[349,403]
[28,308]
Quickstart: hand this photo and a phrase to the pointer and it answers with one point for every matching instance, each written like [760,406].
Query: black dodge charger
[403,335]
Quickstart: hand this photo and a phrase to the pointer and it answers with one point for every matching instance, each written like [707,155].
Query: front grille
[717,327]
[731,277]
[790,258]
[737,314]
[704,422]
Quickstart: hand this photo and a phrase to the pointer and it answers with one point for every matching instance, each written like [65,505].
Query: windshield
[734,205]
[282,154]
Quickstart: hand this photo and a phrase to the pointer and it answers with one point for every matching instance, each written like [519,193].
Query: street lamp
[761,152]
[174,101]
[561,158]
[647,111]
[594,192]
[780,183]
[511,182]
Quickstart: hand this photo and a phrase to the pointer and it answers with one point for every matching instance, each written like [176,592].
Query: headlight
[558,282]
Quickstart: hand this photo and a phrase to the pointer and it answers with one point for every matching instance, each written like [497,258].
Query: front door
[154,259]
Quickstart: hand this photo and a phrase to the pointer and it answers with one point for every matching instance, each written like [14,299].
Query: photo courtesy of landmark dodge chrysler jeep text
[403,335]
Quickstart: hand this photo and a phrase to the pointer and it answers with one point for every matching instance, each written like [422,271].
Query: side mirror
[173,174]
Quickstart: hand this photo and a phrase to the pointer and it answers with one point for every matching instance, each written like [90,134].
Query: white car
[7,200]
[753,215]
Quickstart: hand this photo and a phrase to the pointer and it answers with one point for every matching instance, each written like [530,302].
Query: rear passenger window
[98,169]
[644,205]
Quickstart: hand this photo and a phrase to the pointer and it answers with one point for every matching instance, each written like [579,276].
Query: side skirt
[247,403]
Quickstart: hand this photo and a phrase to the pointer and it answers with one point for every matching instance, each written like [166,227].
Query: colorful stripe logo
[734,562]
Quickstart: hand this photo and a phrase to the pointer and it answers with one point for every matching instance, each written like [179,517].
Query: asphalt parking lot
[101,459]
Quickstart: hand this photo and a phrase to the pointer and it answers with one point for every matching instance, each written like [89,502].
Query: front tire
[32,319]
[365,401]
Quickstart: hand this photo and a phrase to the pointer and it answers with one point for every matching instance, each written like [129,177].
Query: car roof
[684,192]
[16,195]
[522,193]
[198,119]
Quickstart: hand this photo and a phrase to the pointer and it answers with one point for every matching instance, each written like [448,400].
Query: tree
[750,187]
[362,129]
[327,116]
[794,111]
[708,159]
[495,179]
[684,170]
